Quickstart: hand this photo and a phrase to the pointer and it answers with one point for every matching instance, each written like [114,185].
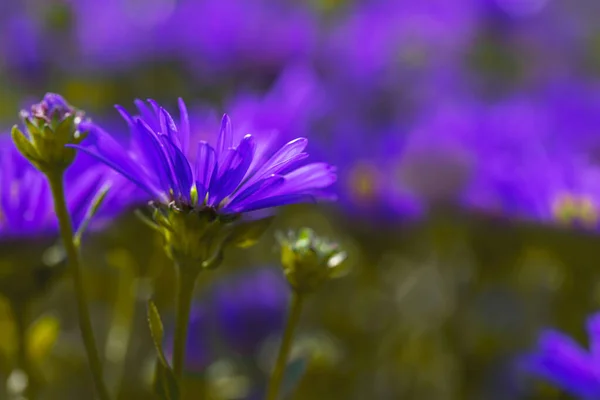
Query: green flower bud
[309,260]
[50,126]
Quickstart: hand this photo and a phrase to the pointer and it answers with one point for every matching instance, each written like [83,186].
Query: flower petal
[184,126]
[225,140]
[181,168]
[261,189]
[206,161]
[232,170]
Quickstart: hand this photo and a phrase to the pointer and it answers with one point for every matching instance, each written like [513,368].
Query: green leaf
[246,234]
[166,383]
[94,207]
[23,144]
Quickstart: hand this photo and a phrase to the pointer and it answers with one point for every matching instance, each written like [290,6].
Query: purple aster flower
[249,308]
[560,360]
[227,177]
[367,185]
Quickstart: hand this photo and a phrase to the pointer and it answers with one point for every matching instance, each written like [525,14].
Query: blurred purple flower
[560,360]
[117,34]
[227,178]
[367,186]
[210,35]
[398,40]
[244,35]
[21,44]
[249,307]
[26,207]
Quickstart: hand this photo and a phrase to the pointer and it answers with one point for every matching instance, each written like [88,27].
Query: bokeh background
[467,139]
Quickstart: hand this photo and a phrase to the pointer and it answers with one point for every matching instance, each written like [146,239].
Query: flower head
[226,177]
[563,362]
[51,125]
[198,197]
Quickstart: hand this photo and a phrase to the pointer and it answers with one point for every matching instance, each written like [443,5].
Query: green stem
[20,317]
[85,324]
[286,345]
[186,283]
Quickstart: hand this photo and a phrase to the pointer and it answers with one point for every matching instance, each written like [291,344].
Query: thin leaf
[166,383]
[92,210]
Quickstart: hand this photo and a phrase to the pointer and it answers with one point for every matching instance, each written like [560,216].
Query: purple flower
[26,207]
[560,360]
[368,184]
[249,308]
[228,177]
[254,35]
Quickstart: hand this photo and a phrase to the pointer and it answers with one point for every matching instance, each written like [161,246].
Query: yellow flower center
[570,209]
[362,182]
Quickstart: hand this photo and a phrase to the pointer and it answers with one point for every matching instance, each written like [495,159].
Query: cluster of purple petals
[232,175]
[561,360]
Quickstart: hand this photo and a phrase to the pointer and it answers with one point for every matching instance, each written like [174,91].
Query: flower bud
[51,125]
[309,260]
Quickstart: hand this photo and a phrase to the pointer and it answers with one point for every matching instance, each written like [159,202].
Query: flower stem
[185,292]
[286,345]
[85,324]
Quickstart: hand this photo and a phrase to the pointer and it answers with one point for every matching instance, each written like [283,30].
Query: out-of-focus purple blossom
[523,29]
[398,40]
[210,35]
[563,362]
[530,156]
[219,35]
[26,207]
[435,161]
[21,47]
[249,308]
[366,186]
[227,178]
[117,34]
